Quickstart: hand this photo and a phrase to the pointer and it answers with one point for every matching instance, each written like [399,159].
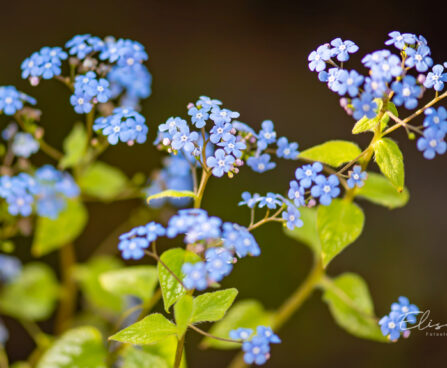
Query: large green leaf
[149,330]
[54,234]
[78,348]
[138,281]
[211,307]
[32,295]
[379,190]
[170,193]
[74,146]
[174,259]
[391,162]
[89,276]
[247,314]
[351,306]
[339,225]
[308,233]
[369,125]
[103,181]
[333,153]
[183,313]
[138,358]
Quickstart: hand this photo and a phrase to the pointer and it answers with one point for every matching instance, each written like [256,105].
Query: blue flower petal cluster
[395,323]
[89,90]
[433,143]
[11,100]
[133,243]
[24,145]
[357,177]
[45,63]
[10,268]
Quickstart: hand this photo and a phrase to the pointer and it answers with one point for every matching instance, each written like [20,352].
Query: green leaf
[153,328]
[183,313]
[54,234]
[391,162]
[365,124]
[171,194]
[379,190]
[339,225]
[74,146]
[32,296]
[139,281]
[80,347]
[174,259]
[247,314]
[88,275]
[351,306]
[103,181]
[308,233]
[211,307]
[138,358]
[333,153]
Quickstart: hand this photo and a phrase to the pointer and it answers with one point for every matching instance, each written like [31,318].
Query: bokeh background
[252,55]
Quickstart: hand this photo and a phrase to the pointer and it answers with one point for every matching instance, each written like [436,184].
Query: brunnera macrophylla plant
[116,325]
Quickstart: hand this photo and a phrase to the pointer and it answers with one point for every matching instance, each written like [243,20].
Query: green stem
[89,122]
[4,363]
[203,181]
[179,352]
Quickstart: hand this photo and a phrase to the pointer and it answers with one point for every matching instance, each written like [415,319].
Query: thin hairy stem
[179,351]
[199,194]
[204,333]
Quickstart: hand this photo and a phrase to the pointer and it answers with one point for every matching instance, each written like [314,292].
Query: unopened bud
[190,106]
[312,203]
[39,132]
[411,136]
[421,78]
[344,102]
[239,162]
[166,141]
[34,81]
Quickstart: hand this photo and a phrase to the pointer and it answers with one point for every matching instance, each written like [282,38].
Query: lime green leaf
[88,275]
[351,306]
[339,225]
[211,307]
[365,124]
[308,233]
[333,153]
[379,190]
[103,181]
[54,234]
[32,295]
[391,162]
[153,328]
[74,146]
[247,314]
[139,281]
[80,347]
[138,358]
[171,194]
[174,259]
[183,313]
[21,365]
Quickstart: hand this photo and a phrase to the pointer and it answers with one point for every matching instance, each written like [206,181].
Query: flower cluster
[24,145]
[48,190]
[10,268]
[432,142]
[175,175]
[12,100]
[4,334]
[89,90]
[256,348]
[388,79]
[395,323]
[125,125]
[45,63]
[228,144]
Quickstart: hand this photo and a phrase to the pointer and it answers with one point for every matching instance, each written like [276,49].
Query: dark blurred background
[252,55]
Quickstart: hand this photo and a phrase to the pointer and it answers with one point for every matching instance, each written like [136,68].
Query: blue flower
[307,173]
[296,191]
[432,143]
[436,78]
[257,351]
[342,49]
[81,103]
[24,145]
[267,334]
[207,104]
[100,89]
[392,325]
[436,119]
[319,57]
[349,82]
[241,333]
[267,134]
[45,63]
[376,87]
[271,200]
[233,146]
[221,130]
[198,116]
[79,46]
[133,248]
[153,231]
[10,268]
[408,311]
[287,150]
[240,240]
[261,163]
[11,100]
[82,82]
[325,189]
[292,217]
[220,163]
[219,115]
[387,68]
[184,140]
[406,92]
[400,40]
[419,58]
[10,131]
[249,200]
[375,58]
[195,276]
[364,106]
[357,177]
[172,125]
[219,263]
